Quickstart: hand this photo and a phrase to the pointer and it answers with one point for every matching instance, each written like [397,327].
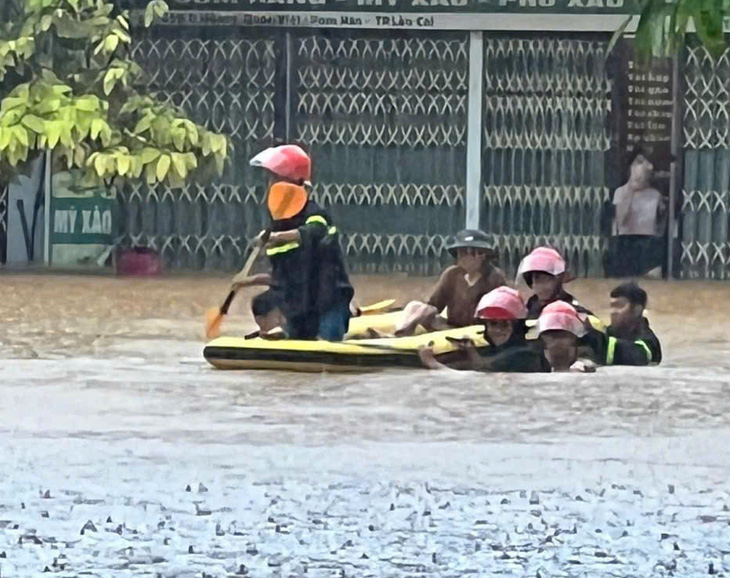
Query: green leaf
[178,162]
[150,173]
[5,136]
[79,156]
[136,169]
[97,125]
[106,135]
[127,107]
[82,127]
[156,8]
[11,117]
[163,166]
[143,124]
[48,105]
[22,135]
[123,36]
[178,138]
[161,8]
[110,164]
[61,89]
[193,134]
[100,164]
[708,19]
[110,79]
[45,23]
[11,103]
[191,161]
[53,132]
[215,143]
[149,154]
[149,15]
[33,123]
[87,103]
[66,138]
[124,163]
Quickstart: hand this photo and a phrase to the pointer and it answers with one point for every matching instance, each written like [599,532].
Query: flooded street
[124,454]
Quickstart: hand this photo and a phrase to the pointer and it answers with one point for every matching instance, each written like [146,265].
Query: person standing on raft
[459,288]
[308,275]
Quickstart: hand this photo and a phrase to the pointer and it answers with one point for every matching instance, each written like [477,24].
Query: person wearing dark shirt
[308,276]
[629,339]
[503,313]
[459,288]
[545,272]
[561,328]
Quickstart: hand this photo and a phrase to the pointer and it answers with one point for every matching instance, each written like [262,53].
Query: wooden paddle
[214,316]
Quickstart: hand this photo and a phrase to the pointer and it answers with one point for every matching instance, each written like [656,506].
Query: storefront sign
[393,21]
[410,6]
[82,224]
[566,15]
[647,105]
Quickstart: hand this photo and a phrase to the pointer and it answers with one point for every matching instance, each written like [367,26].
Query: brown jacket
[454,292]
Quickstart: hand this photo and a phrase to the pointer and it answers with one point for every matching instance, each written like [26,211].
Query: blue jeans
[333,324]
[330,325]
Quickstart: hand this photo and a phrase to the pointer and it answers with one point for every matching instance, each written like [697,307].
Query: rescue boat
[354,354]
[350,355]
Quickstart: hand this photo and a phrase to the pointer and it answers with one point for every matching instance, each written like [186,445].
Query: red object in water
[139,261]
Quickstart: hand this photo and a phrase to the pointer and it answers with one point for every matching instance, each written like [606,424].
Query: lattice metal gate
[705,219]
[226,83]
[547,103]
[385,117]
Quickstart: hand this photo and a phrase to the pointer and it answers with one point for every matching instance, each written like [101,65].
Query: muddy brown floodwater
[123,454]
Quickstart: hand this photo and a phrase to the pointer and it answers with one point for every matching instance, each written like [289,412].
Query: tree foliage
[68,84]
[664,24]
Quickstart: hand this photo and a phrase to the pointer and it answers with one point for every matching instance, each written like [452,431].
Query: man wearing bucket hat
[308,276]
[459,288]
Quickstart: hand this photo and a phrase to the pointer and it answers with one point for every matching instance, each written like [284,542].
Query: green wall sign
[82,222]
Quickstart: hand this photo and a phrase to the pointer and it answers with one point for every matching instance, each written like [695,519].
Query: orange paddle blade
[213,320]
[285,200]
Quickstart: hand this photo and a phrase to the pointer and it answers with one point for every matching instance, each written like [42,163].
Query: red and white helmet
[542,259]
[501,303]
[560,316]
[286,161]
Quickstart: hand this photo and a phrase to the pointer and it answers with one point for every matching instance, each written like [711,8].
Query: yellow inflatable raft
[350,355]
[354,354]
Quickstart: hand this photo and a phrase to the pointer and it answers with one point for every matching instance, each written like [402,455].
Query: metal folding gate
[546,138]
[386,115]
[227,84]
[705,218]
